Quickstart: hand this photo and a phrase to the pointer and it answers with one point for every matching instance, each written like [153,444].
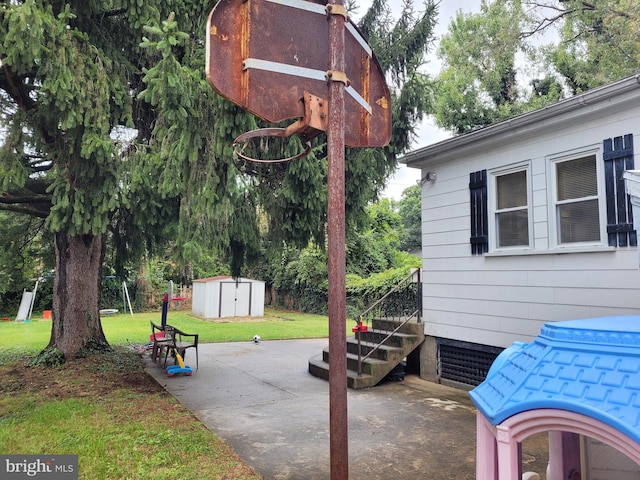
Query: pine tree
[294,195]
[113,135]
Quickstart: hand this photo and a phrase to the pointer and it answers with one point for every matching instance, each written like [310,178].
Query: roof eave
[527,122]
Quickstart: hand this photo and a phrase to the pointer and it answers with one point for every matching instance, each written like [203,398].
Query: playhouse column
[564,456]
[486,453]
[508,454]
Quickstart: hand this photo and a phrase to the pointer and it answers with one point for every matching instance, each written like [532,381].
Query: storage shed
[218,297]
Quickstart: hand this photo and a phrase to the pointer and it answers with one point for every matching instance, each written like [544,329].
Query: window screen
[512,213]
[577,209]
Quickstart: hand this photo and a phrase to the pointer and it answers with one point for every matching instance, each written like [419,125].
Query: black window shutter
[618,157]
[479,216]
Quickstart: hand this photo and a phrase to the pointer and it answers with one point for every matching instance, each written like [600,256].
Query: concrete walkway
[261,400]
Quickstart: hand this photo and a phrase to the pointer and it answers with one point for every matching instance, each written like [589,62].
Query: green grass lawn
[126,329]
[107,410]
[110,413]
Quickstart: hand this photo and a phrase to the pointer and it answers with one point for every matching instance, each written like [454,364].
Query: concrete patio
[261,400]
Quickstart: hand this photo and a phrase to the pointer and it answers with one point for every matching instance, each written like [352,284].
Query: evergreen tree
[115,138]
[103,145]
[294,195]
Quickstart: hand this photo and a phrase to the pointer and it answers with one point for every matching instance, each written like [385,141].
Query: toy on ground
[179,368]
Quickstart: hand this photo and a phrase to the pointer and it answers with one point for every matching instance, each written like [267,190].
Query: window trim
[552,200]
[492,180]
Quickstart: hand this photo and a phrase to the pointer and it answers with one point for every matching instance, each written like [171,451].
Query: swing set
[25,310]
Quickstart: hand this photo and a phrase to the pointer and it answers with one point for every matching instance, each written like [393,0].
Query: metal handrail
[401,283]
[377,347]
[378,304]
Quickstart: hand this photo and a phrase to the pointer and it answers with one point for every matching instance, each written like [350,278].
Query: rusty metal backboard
[264,54]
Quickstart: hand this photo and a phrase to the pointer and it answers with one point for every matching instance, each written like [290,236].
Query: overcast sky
[428,133]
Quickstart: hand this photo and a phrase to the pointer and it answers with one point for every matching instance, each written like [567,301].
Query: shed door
[235,299]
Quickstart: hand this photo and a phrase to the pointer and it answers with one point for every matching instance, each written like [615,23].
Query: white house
[218,297]
[524,222]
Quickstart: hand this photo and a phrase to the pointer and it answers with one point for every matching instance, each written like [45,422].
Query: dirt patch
[104,380]
[90,377]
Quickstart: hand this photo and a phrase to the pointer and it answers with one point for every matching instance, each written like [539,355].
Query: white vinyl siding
[508,294]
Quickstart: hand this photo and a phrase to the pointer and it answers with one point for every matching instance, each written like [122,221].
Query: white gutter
[527,122]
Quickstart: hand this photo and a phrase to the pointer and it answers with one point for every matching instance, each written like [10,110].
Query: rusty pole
[338,424]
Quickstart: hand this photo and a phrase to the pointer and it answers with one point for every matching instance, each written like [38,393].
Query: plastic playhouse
[580,382]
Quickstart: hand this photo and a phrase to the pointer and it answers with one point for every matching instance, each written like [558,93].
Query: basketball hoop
[310,125]
[265,132]
[263,55]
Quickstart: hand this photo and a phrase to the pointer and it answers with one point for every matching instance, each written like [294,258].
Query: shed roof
[212,279]
[590,366]
[222,278]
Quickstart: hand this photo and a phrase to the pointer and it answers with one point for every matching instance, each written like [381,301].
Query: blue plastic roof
[590,366]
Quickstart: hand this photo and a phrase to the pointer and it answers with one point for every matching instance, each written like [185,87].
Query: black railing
[399,306]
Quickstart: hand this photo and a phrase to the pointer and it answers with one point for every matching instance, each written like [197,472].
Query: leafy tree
[598,40]
[24,256]
[478,84]
[300,275]
[410,210]
[596,43]
[372,249]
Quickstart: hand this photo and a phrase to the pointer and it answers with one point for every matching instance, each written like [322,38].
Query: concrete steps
[381,362]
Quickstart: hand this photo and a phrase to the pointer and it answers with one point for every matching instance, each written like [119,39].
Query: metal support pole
[338,424]
[359,352]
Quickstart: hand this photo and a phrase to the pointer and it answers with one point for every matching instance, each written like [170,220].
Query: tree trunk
[76,327]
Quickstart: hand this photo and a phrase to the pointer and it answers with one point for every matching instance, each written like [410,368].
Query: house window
[586,199]
[577,202]
[510,202]
[512,210]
